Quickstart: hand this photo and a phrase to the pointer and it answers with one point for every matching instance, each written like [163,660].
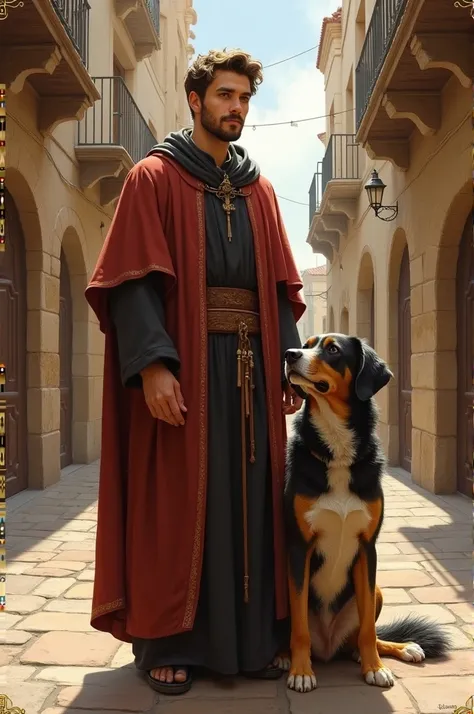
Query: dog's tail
[432,638]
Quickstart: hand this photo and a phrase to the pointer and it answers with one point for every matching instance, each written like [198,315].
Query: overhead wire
[287,59]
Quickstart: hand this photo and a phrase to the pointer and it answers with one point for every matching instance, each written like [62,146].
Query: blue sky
[272,30]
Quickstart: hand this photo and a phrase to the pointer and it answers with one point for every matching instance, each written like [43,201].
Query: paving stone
[87,575]
[83,591]
[29,696]
[134,698]
[8,653]
[93,649]
[460,640]
[16,673]
[7,620]
[22,584]
[434,612]
[78,525]
[88,546]
[416,547]
[30,544]
[15,637]
[23,604]
[455,578]
[71,553]
[233,688]
[48,571]
[432,698]
[31,557]
[391,564]
[439,594]
[403,579]
[464,610]
[200,706]
[392,596]
[387,549]
[71,565]
[456,545]
[124,656]
[74,675]
[448,565]
[17,568]
[394,512]
[424,511]
[57,621]
[356,700]
[69,537]
[79,606]
[54,587]
[457,662]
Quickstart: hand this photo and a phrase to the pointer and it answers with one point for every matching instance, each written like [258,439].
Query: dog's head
[338,366]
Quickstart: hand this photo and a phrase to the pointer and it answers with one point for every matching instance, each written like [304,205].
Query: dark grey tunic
[229,636]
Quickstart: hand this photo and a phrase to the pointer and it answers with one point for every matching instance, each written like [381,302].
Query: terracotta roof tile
[335,17]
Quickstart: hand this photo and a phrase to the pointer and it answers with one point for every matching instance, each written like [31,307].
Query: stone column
[433,368]
[43,395]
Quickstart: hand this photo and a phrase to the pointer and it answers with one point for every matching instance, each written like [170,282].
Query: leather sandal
[171,688]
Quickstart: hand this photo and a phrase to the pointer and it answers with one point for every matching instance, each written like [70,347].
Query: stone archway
[37,296]
[344,321]
[331,319]
[398,249]
[80,390]
[366,299]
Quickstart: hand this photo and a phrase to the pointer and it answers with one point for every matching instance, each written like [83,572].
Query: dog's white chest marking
[339,516]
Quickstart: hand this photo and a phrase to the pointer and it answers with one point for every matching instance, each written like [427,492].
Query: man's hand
[163,394]
[291,401]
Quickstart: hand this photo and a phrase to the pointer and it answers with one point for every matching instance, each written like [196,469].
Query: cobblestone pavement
[54,662]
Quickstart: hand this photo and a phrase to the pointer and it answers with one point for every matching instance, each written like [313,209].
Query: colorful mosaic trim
[3,472]
[3,128]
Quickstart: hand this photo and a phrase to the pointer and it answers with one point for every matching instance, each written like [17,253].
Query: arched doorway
[365,300]
[404,363]
[465,359]
[13,342]
[65,361]
[345,321]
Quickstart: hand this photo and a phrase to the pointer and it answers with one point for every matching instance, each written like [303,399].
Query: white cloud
[288,155]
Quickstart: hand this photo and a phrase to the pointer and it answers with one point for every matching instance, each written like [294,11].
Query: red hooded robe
[150,533]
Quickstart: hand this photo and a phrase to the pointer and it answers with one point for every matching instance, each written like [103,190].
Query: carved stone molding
[422,108]
[446,51]
[395,150]
[55,110]
[22,61]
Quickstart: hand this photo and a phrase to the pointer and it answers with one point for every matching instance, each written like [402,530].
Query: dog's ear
[372,372]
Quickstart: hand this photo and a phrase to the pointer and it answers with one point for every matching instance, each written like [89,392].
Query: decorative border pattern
[5,6]
[3,127]
[3,473]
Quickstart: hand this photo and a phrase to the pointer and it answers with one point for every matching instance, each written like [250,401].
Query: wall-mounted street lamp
[375,188]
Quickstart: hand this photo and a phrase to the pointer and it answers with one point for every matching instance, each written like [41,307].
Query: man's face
[225,106]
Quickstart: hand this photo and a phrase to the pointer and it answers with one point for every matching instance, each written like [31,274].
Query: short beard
[213,127]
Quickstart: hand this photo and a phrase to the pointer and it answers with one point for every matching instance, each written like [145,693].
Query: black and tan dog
[334,510]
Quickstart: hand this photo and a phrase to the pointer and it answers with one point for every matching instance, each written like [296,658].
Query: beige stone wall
[314,321]
[434,197]
[56,214]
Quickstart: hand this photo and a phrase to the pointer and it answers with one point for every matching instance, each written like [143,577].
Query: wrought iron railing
[154,10]
[383,25]
[315,193]
[115,120]
[341,160]
[74,14]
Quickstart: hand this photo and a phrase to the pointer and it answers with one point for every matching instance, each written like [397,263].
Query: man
[198,296]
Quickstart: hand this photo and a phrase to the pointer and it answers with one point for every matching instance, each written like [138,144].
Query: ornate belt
[234,310]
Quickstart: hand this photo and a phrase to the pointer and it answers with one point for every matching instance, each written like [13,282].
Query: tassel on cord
[245,370]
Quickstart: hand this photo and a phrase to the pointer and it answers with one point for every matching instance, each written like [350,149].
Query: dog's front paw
[379,676]
[301,677]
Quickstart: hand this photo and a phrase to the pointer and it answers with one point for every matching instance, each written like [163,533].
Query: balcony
[112,137]
[411,50]
[46,43]
[142,20]
[335,191]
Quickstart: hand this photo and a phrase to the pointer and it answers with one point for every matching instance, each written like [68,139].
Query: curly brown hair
[203,70]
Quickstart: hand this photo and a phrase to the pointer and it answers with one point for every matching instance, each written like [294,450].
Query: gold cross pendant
[226,193]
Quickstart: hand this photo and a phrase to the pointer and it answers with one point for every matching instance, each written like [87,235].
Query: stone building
[314,319]
[398,86]
[91,86]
